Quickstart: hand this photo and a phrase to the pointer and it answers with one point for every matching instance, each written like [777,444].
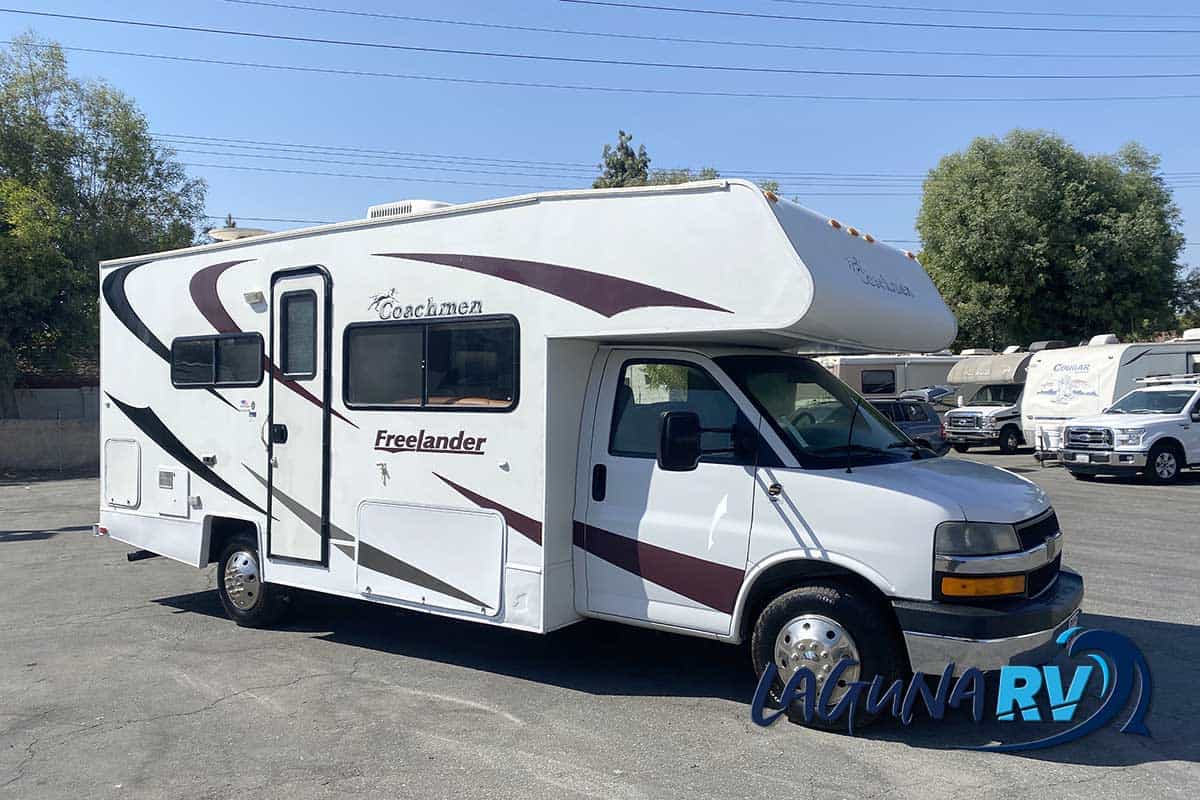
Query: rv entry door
[298,423]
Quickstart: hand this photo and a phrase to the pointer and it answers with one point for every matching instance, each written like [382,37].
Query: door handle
[599,482]
[774,491]
[279,433]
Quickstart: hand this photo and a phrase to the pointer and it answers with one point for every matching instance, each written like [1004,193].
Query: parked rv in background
[889,374]
[1083,381]
[988,400]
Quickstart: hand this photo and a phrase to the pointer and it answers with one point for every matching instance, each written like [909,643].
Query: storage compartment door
[446,558]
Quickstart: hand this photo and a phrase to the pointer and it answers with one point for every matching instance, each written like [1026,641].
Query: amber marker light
[964,586]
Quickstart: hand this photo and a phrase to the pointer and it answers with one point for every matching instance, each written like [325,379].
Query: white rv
[891,374]
[1082,381]
[988,395]
[530,411]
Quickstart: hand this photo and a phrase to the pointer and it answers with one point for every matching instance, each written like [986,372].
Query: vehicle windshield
[995,394]
[1142,401]
[812,411]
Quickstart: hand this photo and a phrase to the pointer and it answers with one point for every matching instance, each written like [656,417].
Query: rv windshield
[997,394]
[1141,401]
[812,410]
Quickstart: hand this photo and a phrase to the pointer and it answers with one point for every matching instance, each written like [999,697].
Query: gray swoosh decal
[309,518]
[376,560]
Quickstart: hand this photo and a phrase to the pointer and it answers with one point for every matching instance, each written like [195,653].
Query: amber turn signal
[982,587]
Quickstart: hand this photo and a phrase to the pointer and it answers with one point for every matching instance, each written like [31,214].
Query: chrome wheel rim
[1165,465]
[818,643]
[242,584]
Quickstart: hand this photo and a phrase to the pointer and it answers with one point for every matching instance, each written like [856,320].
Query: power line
[518,56]
[395,178]
[689,40]
[575,87]
[271,219]
[876,22]
[988,11]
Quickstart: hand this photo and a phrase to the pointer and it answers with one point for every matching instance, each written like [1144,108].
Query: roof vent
[978,351]
[1052,344]
[403,208]
[1191,335]
[1104,338]
[1012,348]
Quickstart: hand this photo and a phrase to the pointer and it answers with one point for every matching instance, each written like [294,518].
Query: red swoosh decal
[604,294]
[203,288]
[526,526]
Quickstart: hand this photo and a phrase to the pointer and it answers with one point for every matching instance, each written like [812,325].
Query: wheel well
[1020,433]
[781,577]
[221,529]
[1171,442]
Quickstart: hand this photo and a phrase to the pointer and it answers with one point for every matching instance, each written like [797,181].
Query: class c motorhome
[531,411]
[988,397]
[1064,384]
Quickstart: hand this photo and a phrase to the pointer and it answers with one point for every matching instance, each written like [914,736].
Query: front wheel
[1010,440]
[247,600]
[1163,464]
[814,627]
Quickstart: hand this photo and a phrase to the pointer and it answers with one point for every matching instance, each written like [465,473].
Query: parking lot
[126,680]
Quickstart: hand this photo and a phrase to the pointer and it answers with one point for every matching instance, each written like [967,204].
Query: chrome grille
[962,420]
[1089,438]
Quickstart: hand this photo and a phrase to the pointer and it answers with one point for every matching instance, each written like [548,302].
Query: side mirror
[679,441]
[1196,416]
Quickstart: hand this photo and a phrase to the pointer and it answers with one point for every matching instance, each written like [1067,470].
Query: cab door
[298,421]
[660,546]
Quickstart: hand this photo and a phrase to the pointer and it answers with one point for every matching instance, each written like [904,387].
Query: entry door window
[649,389]
[298,322]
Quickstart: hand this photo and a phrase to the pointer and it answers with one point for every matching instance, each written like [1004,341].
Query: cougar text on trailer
[529,411]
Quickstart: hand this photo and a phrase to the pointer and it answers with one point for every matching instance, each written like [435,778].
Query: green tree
[78,156]
[622,165]
[1027,238]
[661,177]
[1187,300]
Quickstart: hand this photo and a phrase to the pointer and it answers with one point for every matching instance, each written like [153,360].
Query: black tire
[1010,439]
[1154,471]
[247,600]
[961,448]
[1082,476]
[868,622]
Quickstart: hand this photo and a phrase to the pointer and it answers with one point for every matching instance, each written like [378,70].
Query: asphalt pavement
[126,681]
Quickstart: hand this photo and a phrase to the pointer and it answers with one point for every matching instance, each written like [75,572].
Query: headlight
[989,423]
[1129,436]
[975,539]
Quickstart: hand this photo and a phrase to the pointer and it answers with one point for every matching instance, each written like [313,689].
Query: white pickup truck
[1153,430]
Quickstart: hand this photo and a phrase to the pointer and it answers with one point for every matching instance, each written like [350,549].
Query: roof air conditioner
[403,208]
[1104,338]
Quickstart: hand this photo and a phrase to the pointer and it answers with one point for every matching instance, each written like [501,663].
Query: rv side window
[462,365]
[648,389]
[298,335]
[202,362]
[471,364]
[878,381]
[383,365]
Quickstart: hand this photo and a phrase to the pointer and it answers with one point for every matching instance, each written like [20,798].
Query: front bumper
[1103,460]
[978,436]
[989,637]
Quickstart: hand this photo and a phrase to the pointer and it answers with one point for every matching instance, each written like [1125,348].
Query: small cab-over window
[202,362]
[462,364]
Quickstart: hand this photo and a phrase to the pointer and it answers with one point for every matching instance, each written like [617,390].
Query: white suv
[1154,430]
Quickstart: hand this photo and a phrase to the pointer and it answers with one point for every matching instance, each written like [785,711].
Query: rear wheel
[1010,440]
[247,600]
[961,448]
[1163,463]
[817,625]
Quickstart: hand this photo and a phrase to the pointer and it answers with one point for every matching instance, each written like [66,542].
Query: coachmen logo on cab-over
[422,442]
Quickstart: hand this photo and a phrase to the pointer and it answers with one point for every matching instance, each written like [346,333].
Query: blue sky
[871,153]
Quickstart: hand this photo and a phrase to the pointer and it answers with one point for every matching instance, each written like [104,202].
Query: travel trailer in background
[988,398]
[1083,381]
[529,411]
[890,374]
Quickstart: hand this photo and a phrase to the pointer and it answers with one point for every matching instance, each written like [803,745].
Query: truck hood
[986,411]
[1122,420]
[963,489]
